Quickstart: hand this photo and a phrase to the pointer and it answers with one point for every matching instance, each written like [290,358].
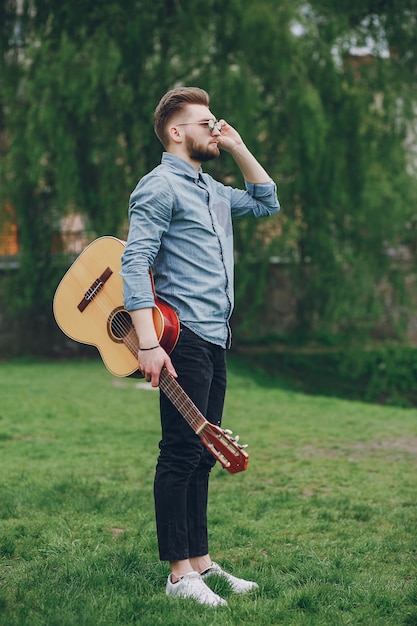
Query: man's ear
[175,134]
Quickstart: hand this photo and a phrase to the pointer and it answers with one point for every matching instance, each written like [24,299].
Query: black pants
[184,464]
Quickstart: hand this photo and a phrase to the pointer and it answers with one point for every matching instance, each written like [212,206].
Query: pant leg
[184,464]
[198,490]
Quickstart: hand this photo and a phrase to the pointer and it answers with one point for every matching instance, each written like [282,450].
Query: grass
[325,517]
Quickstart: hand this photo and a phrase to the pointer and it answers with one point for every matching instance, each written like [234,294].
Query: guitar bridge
[93,290]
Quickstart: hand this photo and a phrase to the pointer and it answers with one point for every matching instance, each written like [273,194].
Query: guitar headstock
[225,448]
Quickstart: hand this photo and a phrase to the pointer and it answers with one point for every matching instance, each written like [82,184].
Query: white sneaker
[238,585]
[192,586]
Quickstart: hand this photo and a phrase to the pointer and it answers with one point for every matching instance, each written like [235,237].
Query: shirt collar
[181,166]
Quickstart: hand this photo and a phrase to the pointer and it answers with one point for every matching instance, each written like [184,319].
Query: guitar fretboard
[181,401]
[225,450]
[172,390]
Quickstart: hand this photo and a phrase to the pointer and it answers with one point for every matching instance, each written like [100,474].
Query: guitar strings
[118,323]
[124,330]
[181,401]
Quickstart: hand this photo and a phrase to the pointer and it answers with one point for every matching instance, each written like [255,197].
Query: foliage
[79,82]
[355,195]
[323,518]
[385,374]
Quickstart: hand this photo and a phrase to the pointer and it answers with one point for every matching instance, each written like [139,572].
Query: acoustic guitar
[88,307]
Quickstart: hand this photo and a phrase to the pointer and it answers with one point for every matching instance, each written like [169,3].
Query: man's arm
[149,217]
[230,141]
[150,361]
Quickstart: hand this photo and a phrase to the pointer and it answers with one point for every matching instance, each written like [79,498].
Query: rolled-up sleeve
[259,200]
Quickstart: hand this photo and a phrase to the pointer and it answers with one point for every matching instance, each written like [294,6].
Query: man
[181,227]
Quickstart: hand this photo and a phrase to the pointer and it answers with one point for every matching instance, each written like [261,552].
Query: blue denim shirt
[181,227]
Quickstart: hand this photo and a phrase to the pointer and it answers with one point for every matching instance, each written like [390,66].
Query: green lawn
[325,517]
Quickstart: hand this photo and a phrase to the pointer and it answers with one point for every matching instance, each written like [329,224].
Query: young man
[181,227]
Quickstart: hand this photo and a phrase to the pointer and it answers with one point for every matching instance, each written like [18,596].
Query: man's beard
[199,153]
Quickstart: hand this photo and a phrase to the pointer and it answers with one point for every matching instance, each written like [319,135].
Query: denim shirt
[181,227]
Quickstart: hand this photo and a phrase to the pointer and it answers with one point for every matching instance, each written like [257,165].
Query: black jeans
[184,464]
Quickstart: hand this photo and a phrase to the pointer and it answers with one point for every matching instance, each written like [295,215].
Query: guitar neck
[225,450]
[174,392]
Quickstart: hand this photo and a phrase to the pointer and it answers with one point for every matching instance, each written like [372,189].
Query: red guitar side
[88,307]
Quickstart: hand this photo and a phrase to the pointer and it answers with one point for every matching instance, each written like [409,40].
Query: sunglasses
[211,125]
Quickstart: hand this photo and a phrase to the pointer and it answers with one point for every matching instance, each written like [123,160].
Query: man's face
[200,142]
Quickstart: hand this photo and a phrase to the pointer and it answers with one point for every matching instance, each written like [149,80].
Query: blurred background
[324,94]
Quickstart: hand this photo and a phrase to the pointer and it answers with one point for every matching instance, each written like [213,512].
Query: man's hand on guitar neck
[151,363]
[152,357]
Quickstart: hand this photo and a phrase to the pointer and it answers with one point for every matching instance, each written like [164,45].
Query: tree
[80,80]
[342,120]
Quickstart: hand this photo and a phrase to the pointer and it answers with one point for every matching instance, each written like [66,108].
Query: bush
[386,375]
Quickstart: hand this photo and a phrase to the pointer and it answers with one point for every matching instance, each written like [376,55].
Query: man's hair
[173,102]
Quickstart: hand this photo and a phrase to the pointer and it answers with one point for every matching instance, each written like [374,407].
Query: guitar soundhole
[119,324]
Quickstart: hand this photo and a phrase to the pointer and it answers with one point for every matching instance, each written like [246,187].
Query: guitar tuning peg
[236,439]
[228,432]
[242,446]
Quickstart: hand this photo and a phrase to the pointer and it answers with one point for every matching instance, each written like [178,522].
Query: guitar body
[88,307]
[103,321]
